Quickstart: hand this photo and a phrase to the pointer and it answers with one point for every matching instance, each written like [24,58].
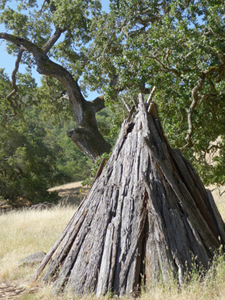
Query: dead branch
[126,105]
[150,96]
[135,102]
[100,169]
[213,147]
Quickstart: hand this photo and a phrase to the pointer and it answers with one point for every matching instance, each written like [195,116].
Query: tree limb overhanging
[86,136]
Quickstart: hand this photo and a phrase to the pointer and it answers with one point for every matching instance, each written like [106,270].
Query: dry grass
[26,232]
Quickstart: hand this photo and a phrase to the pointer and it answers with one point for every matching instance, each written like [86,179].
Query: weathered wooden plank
[129,284]
[100,226]
[195,243]
[51,252]
[201,255]
[132,250]
[79,273]
[116,221]
[62,251]
[158,253]
[68,263]
[106,262]
[199,196]
[187,202]
[195,176]
[76,246]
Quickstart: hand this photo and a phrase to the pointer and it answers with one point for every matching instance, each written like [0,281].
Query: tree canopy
[177,46]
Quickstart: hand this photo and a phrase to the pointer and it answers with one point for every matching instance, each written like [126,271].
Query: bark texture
[146,216]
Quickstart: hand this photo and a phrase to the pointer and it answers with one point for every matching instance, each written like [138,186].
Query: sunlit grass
[26,232]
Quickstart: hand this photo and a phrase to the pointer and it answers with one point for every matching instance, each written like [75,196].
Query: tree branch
[125,104]
[29,46]
[9,96]
[212,147]
[58,31]
[47,67]
[166,68]
[143,89]
[52,5]
[194,96]
[53,39]
[87,135]
[98,103]
[150,97]
[212,85]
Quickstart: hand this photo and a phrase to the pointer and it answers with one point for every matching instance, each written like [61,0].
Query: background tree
[177,46]
[27,165]
[34,154]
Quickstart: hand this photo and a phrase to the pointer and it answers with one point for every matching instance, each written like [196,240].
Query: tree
[177,46]
[27,166]
[38,29]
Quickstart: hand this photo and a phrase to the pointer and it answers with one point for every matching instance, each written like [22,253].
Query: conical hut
[147,216]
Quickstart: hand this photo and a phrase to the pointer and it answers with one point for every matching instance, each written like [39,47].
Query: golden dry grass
[26,232]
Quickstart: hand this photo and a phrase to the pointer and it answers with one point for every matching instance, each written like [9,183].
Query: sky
[8,61]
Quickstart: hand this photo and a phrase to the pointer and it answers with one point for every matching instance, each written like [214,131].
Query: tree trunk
[87,135]
[146,216]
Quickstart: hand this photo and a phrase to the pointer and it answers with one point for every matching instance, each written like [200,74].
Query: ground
[72,194]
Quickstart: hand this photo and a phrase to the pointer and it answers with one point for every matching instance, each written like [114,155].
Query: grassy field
[27,232]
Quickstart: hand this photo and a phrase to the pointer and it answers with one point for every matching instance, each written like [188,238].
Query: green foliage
[35,156]
[70,160]
[27,165]
[90,179]
[173,45]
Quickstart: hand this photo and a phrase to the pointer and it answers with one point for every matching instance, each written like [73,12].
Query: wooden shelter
[147,216]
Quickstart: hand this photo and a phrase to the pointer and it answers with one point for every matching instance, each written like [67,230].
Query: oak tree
[177,46]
